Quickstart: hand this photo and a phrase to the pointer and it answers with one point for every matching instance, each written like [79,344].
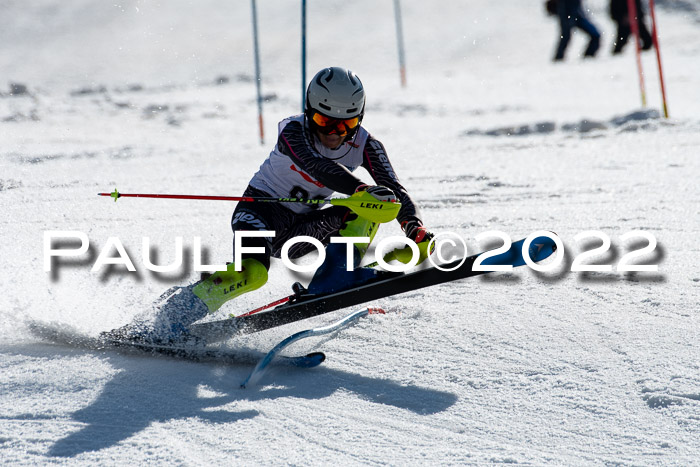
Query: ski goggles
[329,126]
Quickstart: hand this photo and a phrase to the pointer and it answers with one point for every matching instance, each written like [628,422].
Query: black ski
[303,306]
[64,335]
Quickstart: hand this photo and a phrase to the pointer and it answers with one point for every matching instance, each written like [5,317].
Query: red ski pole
[361,203]
[655,39]
[116,195]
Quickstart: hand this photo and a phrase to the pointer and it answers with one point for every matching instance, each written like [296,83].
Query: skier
[315,155]
[571,15]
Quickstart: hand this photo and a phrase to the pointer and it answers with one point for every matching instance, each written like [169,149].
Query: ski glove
[421,236]
[415,231]
[381,193]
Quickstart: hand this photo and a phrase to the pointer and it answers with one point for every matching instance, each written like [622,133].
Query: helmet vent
[318,81]
[324,106]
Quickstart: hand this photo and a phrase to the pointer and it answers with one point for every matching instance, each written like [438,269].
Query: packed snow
[558,367]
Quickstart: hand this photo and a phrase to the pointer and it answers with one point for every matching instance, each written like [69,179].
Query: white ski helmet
[336,93]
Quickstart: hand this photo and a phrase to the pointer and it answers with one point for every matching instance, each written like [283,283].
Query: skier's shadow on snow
[136,397]
[323,382]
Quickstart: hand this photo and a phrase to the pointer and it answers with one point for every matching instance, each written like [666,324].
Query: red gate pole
[655,39]
[632,15]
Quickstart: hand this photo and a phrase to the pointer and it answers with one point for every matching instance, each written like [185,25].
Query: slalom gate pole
[303,55]
[399,41]
[655,39]
[258,79]
[632,16]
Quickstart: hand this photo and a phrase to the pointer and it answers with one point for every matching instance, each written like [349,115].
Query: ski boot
[223,286]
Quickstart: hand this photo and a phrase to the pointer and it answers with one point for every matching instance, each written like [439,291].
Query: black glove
[381,193]
[415,231]
[421,236]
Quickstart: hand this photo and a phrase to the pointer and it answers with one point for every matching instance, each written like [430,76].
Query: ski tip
[313,359]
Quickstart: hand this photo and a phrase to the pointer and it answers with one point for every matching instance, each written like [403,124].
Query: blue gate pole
[303,54]
[258,78]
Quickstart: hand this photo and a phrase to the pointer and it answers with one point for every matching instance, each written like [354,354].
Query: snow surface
[562,368]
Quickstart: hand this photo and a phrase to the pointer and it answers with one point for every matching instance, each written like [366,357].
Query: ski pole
[361,203]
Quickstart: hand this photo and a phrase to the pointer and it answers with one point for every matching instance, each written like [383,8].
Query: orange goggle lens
[328,125]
